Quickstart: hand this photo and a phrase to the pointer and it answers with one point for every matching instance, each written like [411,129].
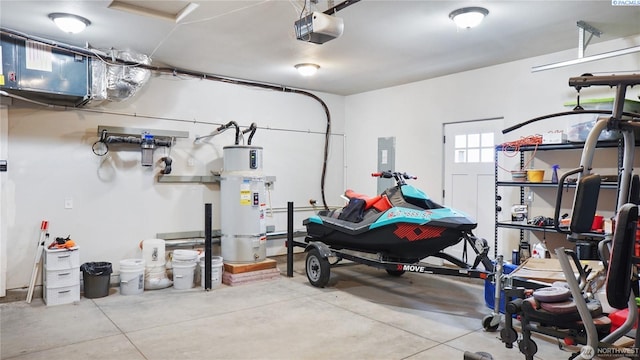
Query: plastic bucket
[153,252]
[535,175]
[183,275]
[131,276]
[185,255]
[216,271]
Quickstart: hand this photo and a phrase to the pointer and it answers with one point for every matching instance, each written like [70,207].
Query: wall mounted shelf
[126,131]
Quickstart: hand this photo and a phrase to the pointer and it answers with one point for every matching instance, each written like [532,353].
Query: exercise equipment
[578,319]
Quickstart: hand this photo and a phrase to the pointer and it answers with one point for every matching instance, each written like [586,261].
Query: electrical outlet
[68,203]
[191,162]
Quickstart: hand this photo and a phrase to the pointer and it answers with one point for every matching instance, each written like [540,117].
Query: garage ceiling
[385,43]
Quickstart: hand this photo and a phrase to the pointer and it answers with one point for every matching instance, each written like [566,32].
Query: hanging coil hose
[167,165]
[100,147]
[512,148]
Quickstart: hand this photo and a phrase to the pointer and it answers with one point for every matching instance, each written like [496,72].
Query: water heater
[242,200]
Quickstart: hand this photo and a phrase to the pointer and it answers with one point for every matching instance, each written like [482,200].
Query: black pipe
[237,142]
[207,246]
[163,142]
[123,139]
[290,239]
[252,128]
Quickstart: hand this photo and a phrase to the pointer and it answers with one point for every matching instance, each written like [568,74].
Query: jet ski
[401,224]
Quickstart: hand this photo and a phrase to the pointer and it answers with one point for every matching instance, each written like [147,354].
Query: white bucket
[183,275]
[153,252]
[131,276]
[184,255]
[216,271]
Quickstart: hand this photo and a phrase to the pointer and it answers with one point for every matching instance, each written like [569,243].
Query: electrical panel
[44,73]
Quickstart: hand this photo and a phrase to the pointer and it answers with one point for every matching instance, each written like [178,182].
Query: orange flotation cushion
[380,202]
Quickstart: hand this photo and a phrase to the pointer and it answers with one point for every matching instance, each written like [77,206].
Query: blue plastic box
[489,289]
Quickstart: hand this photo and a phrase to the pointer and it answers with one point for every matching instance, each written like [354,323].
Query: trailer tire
[396,273]
[317,268]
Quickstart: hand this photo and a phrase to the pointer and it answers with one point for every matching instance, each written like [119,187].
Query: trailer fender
[324,250]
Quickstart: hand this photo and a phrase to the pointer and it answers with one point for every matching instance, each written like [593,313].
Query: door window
[473,148]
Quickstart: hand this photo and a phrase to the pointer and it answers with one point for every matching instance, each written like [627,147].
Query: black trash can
[96,276]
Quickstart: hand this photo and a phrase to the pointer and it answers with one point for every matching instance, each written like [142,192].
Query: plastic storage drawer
[60,278]
[60,259]
[61,295]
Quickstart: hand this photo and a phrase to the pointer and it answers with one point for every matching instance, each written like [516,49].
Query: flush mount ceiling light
[307,69]
[69,23]
[468,17]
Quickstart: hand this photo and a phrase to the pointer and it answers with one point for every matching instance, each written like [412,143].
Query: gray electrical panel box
[386,161]
[44,73]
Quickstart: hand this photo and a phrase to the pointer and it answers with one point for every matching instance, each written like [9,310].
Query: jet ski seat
[380,202]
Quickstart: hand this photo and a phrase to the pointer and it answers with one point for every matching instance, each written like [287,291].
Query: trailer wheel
[317,268]
[396,273]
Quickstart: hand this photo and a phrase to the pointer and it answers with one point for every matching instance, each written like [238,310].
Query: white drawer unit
[61,295]
[60,259]
[58,278]
[61,276]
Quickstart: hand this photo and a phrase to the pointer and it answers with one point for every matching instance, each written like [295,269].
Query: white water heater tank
[242,205]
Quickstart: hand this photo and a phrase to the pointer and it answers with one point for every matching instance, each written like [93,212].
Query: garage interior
[173,185]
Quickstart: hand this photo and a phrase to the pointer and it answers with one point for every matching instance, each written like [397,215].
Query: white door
[469,175]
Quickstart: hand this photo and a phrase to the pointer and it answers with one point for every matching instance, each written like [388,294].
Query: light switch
[68,203]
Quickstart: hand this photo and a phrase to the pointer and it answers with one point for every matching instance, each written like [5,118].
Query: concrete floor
[362,314]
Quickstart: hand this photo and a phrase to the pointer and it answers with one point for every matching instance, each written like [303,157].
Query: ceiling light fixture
[468,17]
[69,23]
[307,69]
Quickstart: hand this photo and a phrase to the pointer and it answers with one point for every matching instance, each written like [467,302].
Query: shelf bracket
[584,28]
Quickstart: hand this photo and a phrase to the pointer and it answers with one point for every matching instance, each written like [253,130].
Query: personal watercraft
[401,224]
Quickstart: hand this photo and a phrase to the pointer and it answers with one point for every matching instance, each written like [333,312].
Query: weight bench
[564,312]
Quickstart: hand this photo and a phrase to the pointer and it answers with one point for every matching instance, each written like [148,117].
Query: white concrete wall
[117,203]
[414,113]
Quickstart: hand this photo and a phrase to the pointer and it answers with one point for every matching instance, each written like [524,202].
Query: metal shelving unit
[522,227]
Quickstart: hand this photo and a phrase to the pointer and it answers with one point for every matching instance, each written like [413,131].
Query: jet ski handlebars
[400,177]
